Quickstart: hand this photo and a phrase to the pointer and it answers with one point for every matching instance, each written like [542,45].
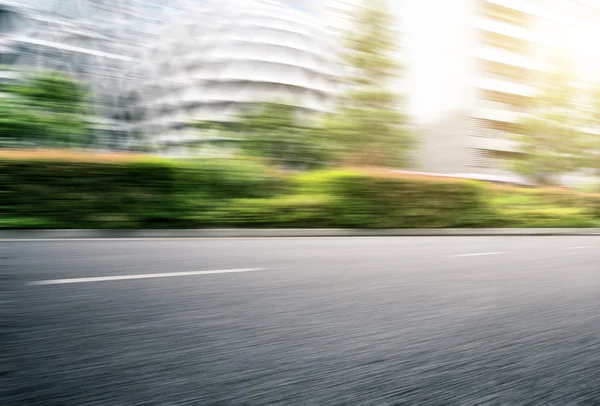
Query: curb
[275,233]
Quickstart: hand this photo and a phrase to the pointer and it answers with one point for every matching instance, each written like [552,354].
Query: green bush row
[382,199]
[123,193]
[525,207]
[83,192]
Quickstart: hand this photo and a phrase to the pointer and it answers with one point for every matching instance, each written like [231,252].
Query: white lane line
[578,248]
[479,254]
[133,239]
[141,276]
[185,238]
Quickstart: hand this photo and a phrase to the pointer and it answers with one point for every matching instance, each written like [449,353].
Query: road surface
[302,321]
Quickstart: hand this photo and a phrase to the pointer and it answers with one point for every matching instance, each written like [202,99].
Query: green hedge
[78,190]
[524,207]
[383,199]
[296,211]
[122,193]
[549,217]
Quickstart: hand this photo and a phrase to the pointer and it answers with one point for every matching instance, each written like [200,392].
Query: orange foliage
[70,155]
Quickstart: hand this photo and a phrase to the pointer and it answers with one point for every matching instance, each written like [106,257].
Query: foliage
[532,207]
[368,127]
[304,211]
[552,142]
[43,110]
[383,199]
[52,92]
[275,133]
[130,192]
[591,144]
[547,217]
[68,189]
[70,155]
[18,124]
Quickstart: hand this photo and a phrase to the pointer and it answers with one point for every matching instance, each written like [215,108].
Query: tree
[18,125]
[274,132]
[43,110]
[552,141]
[52,91]
[369,126]
[592,135]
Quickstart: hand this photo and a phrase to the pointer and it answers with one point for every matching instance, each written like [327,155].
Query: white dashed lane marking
[141,276]
[478,254]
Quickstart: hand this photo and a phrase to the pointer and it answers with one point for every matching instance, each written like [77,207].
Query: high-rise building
[490,57]
[472,68]
[94,41]
[221,58]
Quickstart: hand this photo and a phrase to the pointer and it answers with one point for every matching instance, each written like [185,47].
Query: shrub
[128,192]
[545,207]
[552,217]
[370,198]
[555,197]
[285,211]
[66,189]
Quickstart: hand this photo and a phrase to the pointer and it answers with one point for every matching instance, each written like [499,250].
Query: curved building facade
[221,57]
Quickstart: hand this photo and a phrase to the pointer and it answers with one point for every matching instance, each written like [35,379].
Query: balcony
[504,56]
[492,144]
[50,46]
[488,112]
[503,84]
[503,28]
[494,134]
[524,6]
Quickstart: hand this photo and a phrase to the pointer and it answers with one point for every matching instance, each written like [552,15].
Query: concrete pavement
[307,321]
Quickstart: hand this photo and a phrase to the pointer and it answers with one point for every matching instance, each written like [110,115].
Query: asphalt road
[314,321]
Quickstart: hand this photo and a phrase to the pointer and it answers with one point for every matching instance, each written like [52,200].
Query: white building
[493,52]
[94,41]
[220,58]
[471,68]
